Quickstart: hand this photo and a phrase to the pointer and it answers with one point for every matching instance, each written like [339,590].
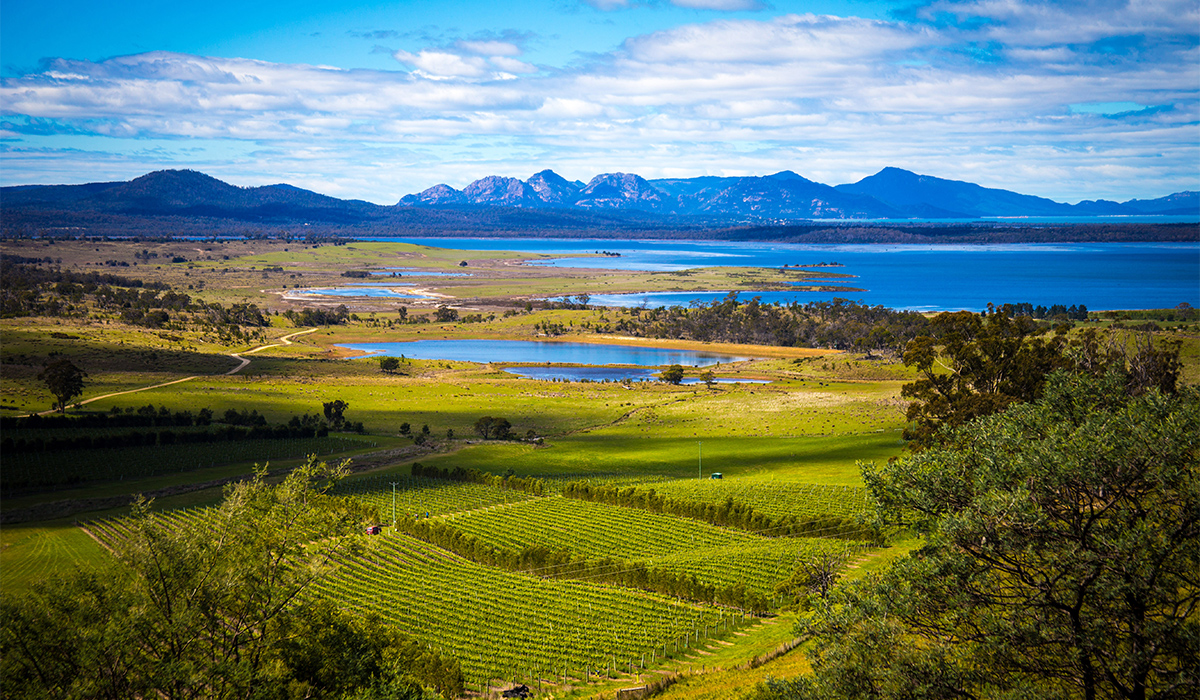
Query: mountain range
[891,193]
[547,203]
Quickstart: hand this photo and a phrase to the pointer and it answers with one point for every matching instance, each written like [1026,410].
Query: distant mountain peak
[440,194]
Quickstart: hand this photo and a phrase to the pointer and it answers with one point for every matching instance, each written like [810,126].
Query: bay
[917,277]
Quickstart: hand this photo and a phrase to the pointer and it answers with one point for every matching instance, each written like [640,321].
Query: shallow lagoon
[610,374]
[360,291]
[543,352]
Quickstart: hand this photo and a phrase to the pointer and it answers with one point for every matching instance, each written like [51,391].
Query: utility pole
[394,505]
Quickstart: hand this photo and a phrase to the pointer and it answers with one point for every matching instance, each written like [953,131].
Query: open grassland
[820,460]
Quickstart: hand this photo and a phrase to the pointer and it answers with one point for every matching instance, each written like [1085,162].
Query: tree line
[840,324]
[237,426]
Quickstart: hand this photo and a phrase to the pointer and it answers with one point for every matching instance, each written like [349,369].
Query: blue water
[414,272]
[375,292]
[610,374]
[543,353]
[919,277]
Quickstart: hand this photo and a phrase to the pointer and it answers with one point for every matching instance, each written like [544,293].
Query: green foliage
[972,366]
[216,609]
[1061,560]
[335,412]
[672,374]
[64,380]
[839,324]
[389,364]
[490,428]
[318,317]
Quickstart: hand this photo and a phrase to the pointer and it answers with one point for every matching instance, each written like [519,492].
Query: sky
[1069,99]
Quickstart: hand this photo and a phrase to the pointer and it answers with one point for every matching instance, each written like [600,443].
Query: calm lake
[541,352]
[918,277]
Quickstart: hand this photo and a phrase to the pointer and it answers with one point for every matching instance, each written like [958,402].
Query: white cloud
[441,64]
[832,98]
[512,65]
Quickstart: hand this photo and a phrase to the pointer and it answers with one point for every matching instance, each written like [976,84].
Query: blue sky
[373,100]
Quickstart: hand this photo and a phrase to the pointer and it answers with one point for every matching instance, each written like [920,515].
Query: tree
[814,574]
[672,374]
[389,364]
[490,428]
[219,611]
[708,378]
[445,314]
[972,366]
[335,412]
[1061,558]
[64,380]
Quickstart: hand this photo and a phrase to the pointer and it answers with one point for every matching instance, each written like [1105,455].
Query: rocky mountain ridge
[892,193]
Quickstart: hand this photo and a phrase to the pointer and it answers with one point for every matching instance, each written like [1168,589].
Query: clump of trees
[221,611]
[490,428]
[840,324]
[318,317]
[672,375]
[973,365]
[1061,557]
[32,290]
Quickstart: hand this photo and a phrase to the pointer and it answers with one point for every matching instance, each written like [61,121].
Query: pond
[415,272]
[547,352]
[389,292]
[610,374]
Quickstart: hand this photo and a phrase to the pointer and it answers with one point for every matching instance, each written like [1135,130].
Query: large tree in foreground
[1062,558]
[217,609]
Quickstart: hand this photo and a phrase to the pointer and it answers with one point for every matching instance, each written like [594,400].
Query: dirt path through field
[286,340]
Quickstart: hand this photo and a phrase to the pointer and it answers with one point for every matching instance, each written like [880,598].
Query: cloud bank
[1008,94]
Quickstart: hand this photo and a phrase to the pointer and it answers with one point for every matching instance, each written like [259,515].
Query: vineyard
[516,627]
[715,556]
[417,496]
[594,530]
[66,467]
[774,498]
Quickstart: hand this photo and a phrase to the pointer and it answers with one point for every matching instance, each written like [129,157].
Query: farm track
[245,362]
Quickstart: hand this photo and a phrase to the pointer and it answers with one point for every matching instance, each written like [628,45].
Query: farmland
[587,549]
